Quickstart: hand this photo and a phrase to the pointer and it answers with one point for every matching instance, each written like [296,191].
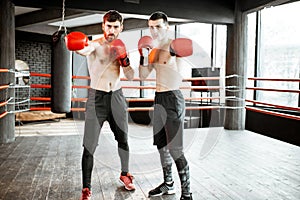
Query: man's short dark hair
[112,16]
[159,15]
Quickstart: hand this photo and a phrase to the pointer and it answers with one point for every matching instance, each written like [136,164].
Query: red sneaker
[127,181]
[86,194]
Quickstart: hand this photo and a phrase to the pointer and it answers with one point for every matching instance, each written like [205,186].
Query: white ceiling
[22,10]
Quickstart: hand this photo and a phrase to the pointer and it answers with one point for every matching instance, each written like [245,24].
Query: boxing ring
[207,102]
[198,88]
[21,101]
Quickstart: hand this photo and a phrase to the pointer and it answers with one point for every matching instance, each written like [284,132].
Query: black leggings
[87,163]
[87,167]
[182,166]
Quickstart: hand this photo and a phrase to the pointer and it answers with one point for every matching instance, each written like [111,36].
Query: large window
[201,35]
[209,53]
[251,36]
[278,54]
[130,38]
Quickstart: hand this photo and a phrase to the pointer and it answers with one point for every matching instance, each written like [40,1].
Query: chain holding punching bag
[61,74]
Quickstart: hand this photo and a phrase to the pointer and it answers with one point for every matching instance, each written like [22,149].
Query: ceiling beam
[254,5]
[208,11]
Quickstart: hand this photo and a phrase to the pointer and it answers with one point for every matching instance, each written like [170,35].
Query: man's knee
[123,145]
[176,153]
[87,153]
[178,156]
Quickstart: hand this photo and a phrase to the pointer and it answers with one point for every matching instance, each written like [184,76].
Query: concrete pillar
[7,61]
[236,65]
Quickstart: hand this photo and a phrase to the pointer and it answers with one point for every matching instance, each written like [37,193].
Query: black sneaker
[186,197]
[162,189]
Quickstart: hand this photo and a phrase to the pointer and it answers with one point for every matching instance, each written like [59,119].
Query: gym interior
[241,88]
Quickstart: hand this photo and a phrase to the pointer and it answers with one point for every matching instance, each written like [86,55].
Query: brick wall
[38,56]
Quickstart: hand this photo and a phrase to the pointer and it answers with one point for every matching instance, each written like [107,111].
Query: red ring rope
[272,90]
[4,70]
[3,103]
[3,87]
[274,79]
[3,114]
[274,105]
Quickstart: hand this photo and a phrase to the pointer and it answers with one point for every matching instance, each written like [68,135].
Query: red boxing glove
[76,41]
[144,45]
[118,49]
[181,47]
[146,42]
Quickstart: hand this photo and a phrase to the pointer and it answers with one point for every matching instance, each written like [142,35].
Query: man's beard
[110,37]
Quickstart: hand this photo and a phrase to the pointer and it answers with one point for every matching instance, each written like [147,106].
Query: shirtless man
[169,110]
[106,57]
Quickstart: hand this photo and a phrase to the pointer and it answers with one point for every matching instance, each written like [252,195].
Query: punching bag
[61,74]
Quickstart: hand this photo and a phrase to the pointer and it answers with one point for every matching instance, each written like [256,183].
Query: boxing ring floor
[45,163]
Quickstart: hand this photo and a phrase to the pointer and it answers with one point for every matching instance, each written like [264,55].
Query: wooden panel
[38,116]
[277,127]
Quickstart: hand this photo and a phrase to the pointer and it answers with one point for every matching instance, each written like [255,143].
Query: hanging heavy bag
[61,74]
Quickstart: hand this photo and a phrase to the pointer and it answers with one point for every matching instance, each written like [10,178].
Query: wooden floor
[45,163]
